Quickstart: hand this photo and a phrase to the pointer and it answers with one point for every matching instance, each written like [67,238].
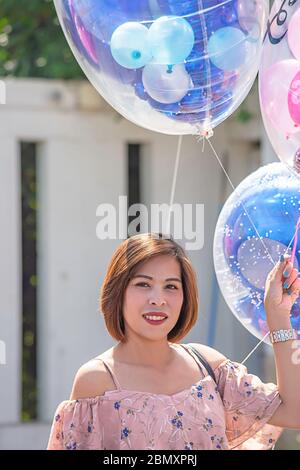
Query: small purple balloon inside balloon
[247,14]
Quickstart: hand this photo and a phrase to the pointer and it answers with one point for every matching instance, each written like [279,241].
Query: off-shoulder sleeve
[249,404]
[77,425]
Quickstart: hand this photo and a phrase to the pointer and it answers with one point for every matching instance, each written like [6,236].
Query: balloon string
[255,348]
[179,145]
[244,208]
[295,242]
[295,238]
[207,125]
[251,221]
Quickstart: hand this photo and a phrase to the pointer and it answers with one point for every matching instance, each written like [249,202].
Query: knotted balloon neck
[204,132]
[207,133]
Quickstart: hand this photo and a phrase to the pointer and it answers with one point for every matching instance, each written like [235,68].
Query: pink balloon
[294,99]
[279,85]
[276,94]
[85,36]
[86,39]
[294,34]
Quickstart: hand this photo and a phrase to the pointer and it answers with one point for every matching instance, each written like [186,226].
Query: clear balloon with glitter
[172,66]
[279,82]
[258,223]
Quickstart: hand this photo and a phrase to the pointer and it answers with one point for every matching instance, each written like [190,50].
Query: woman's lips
[155,322]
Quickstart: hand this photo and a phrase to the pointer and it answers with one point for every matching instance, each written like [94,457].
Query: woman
[151,392]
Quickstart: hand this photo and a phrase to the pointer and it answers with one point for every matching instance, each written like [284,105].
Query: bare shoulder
[91,380]
[213,357]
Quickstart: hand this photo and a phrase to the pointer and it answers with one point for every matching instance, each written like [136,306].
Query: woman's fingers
[294,290]
[284,278]
[288,281]
[287,270]
[282,267]
[295,285]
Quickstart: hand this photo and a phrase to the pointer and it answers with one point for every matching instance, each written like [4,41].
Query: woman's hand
[281,292]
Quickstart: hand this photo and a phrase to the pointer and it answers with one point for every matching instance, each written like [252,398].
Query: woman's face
[155,287]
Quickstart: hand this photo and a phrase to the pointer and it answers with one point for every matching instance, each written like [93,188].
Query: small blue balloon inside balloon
[171,40]
[130,45]
[165,87]
[228,48]
[136,55]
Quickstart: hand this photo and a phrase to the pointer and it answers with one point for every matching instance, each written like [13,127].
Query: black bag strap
[203,362]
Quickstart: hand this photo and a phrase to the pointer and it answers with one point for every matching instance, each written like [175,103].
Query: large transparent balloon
[172,66]
[279,82]
[256,226]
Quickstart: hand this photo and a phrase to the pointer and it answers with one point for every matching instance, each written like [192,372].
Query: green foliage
[32,43]
[243,115]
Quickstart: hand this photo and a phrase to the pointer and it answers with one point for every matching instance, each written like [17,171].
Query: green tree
[32,43]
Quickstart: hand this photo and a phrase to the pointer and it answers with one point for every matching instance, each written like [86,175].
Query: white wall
[10,278]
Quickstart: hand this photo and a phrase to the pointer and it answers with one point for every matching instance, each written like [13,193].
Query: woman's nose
[157,298]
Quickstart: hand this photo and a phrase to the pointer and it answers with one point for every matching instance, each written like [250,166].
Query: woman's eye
[146,284]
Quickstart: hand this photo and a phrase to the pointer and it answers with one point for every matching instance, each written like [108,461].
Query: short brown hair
[123,265]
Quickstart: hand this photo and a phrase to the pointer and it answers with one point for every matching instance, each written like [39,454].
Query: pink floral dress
[231,413]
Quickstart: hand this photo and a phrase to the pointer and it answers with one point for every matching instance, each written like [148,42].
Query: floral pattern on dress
[230,414]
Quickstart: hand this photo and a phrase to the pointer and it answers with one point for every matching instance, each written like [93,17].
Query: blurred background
[63,152]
